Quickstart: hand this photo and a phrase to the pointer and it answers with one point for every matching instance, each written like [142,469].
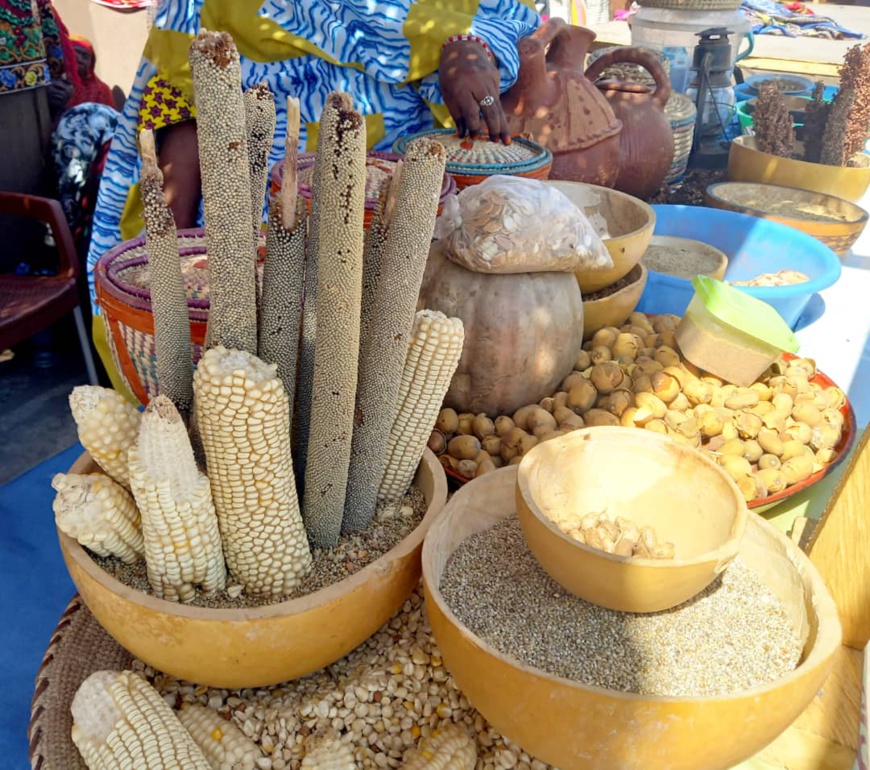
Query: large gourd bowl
[746,163]
[807,210]
[642,476]
[254,647]
[577,727]
[629,224]
[615,308]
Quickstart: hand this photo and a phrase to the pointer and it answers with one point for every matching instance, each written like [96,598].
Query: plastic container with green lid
[731,334]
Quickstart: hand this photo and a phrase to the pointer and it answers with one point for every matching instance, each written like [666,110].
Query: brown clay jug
[559,108]
[646,142]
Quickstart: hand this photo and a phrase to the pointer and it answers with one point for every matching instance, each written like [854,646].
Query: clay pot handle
[641,57]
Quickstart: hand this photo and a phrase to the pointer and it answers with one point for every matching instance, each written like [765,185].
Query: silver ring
[487,101]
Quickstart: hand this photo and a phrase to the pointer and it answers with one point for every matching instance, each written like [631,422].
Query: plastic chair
[29,304]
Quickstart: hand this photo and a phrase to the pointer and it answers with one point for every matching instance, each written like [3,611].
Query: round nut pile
[618,536]
[769,436]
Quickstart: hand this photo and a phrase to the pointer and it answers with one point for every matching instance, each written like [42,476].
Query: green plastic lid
[750,315]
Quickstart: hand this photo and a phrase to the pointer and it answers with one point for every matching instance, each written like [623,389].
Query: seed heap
[619,536]
[733,636]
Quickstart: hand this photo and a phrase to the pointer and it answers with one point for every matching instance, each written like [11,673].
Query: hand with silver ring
[470,86]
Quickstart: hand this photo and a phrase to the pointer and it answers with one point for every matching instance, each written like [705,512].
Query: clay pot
[646,144]
[559,108]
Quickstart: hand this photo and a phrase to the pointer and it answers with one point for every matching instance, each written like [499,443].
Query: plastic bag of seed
[509,224]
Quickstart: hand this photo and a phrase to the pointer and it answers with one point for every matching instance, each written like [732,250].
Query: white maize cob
[179,523]
[120,722]
[224,745]
[339,294]
[436,345]
[108,425]
[328,752]
[226,191]
[100,514]
[449,747]
[168,298]
[406,249]
[244,422]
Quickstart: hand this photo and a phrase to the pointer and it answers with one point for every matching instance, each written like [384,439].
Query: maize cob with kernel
[260,122]
[449,747]
[179,523]
[226,191]
[224,745]
[100,514]
[339,293]
[328,752]
[406,249]
[436,345]
[335,104]
[168,298]
[108,426]
[120,722]
[241,409]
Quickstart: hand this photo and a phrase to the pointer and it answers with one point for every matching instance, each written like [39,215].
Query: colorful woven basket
[379,166]
[681,111]
[121,280]
[470,161]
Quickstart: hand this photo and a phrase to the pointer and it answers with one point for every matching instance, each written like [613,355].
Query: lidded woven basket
[122,281]
[379,166]
[470,161]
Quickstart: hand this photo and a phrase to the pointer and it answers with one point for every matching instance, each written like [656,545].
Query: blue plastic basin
[753,246]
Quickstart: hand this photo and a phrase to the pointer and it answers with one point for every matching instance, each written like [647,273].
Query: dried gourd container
[470,161]
[257,646]
[122,281]
[576,726]
[379,166]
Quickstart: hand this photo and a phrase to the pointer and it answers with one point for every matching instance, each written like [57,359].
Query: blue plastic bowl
[753,246]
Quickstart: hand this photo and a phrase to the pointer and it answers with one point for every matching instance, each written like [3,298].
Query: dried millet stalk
[260,121]
[226,191]
[341,207]
[385,347]
[774,132]
[817,114]
[849,121]
[168,298]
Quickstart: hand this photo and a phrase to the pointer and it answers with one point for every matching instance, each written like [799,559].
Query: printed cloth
[793,20]
[30,45]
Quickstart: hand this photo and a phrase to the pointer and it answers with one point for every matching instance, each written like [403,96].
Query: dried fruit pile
[619,536]
[768,436]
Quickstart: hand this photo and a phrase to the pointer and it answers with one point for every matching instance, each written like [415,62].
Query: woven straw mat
[78,647]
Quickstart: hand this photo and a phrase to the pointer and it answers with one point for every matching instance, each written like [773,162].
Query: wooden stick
[291,156]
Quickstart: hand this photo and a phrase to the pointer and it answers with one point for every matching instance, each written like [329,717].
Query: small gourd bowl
[256,646]
[836,222]
[629,226]
[647,478]
[579,727]
[613,309]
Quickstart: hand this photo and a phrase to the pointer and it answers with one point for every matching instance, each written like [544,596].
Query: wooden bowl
[699,258]
[629,223]
[577,727]
[647,478]
[257,646]
[746,163]
[613,309]
[794,207]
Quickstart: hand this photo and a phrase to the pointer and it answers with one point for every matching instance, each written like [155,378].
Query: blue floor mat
[35,589]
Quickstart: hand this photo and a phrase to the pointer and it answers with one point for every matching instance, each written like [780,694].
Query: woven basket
[470,161]
[694,5]
[78,648]
[379,166]
[121,282]
[681,111]
[631,72]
